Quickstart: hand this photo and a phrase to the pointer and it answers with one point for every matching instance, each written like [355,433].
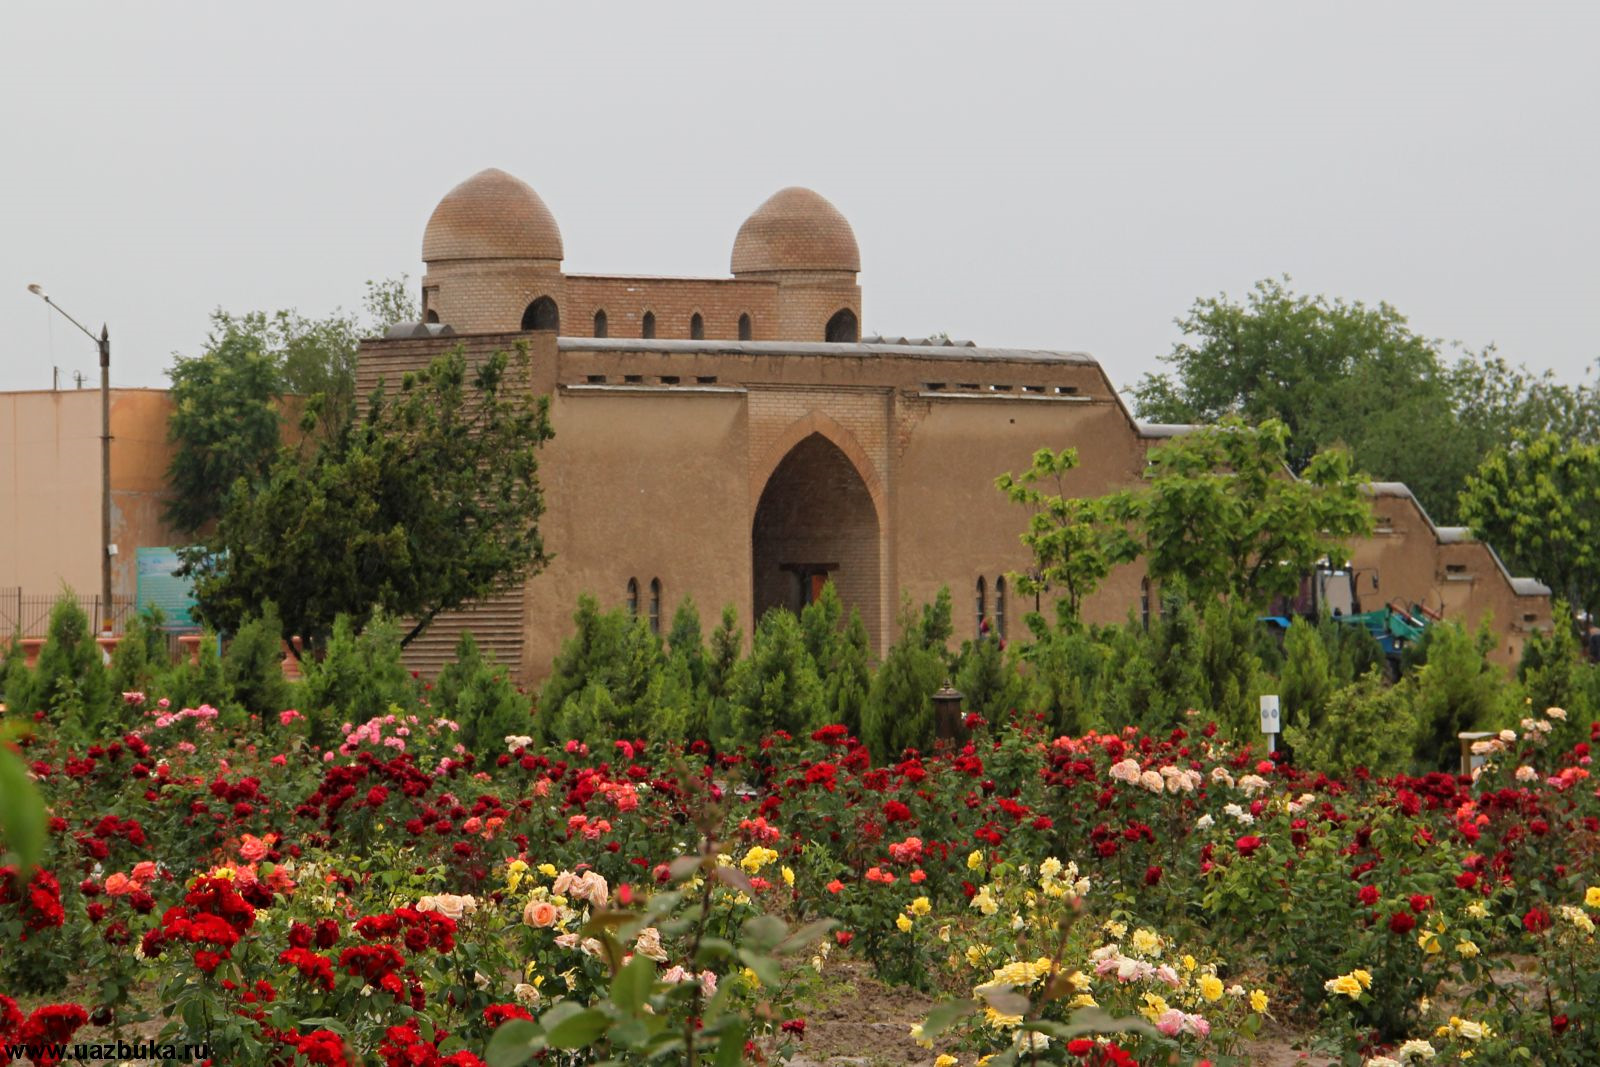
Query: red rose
[1420,903]
[1152,875]
[1536,921]
[1401,922]
[1247,844]
[1369,895]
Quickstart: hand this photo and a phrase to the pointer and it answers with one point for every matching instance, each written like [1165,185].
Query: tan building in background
[50,498]
[737,441]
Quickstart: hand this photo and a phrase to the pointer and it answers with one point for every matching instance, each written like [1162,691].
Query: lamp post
[104,343]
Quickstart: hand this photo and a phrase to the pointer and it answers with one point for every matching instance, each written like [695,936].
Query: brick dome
[795,230]
[491,215]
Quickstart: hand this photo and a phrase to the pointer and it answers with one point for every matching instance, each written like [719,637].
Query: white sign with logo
[1269,714]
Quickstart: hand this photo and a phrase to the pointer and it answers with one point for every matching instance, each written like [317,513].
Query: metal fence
[28,614]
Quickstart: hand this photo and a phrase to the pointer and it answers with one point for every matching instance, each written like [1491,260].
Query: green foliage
[227,414]
[478,694]
[1364,724]
[224,423]
[1340,373]
[1219,518]
[989,682]
[189,685]
[1538,502]
[1075,542]
[69,682]
[142,655]
[601,679]
[1553,674]
[1455,690]
[777,687]
[842,654]
[357,677]
[899,709]
[430,500]
[722,655]
[1307,680]
[253,666]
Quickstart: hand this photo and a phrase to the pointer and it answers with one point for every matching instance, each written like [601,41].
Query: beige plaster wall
[50,487]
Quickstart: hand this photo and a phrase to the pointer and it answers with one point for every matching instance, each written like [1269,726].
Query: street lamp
[104,343]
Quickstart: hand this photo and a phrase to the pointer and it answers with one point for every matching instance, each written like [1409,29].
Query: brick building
[736,439]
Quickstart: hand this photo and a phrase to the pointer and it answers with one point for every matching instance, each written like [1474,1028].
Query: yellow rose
[788,876]
[1466,949]
[1210,987]
[945,1060]
[548,870]
[1258,1001]
[1364,977]
[975,860]
[904,924]
[1591,897]
[920,906]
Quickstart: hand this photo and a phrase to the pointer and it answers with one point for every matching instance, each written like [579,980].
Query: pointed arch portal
[816,522]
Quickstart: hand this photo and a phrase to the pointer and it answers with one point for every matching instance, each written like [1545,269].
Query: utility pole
[104,344]
[106,622]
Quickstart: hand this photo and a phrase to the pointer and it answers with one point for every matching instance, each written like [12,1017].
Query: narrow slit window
[633,597]
[981,605]
[1000,607]
[655,605]
[647,325]
[600,323]
[745,330]
[697,327]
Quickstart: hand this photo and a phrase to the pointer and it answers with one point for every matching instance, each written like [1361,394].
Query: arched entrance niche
[816,522]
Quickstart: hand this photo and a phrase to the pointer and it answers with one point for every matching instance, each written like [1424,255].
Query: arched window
[982,604]
[697,327]
[633,597]
[647,325]
[1144,602]
[842,328]
[600,323]
[1000,607]
[431,316]
[542,314]
[655,605]
[745,331]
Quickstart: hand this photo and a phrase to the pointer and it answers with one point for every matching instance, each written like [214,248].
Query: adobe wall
[50,478]
[1409,561]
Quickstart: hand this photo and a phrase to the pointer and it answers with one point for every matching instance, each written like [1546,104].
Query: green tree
[899,709]
[1455,689]
[1075,541]
[478,695]
[359,676]
[1538,502]
[252,666]
[1219,517]
[988,680]
[429,501]
[777,686]
[224,426]
[842,654]
[1340,373]
[600,681]
[226,421]
[142,655]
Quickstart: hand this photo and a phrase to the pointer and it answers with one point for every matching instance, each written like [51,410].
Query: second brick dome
[795,229]
[491,215]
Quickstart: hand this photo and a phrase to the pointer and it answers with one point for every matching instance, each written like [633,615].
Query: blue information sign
[160,585]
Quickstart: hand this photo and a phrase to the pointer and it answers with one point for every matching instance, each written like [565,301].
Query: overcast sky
[1056,175]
